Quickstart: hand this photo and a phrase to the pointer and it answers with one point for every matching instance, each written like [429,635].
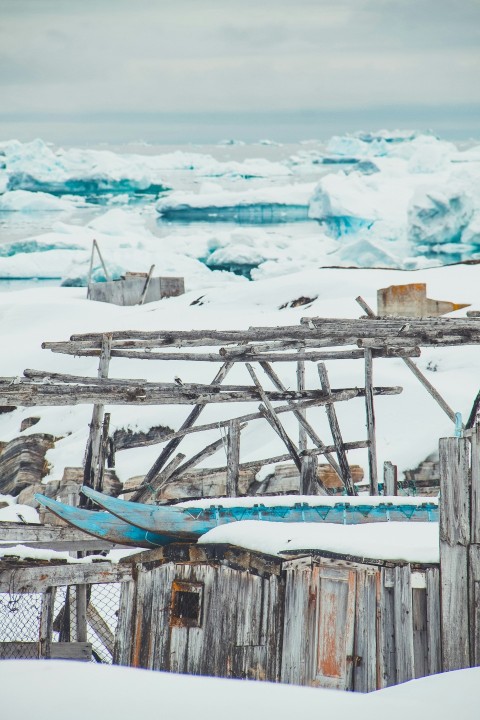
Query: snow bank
[24,201]
[412,542]
[17,513]
[123,693]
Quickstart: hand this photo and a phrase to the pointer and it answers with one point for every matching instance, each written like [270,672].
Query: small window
[186,605]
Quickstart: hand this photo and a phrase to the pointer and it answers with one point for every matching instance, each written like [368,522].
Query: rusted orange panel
[411,301]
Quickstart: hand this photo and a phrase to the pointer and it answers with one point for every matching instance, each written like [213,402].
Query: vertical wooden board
[295,626]
[365,646]
[272,625]
[145,609]
[335,622]
[162,579]
[475,492]
[432,576]
[474,603]
[249,662]
[250,602]
[403,618]
[420,645]
[454,491]
[45,629]
[387,674]
[124,632]
[454,607]
[197,647]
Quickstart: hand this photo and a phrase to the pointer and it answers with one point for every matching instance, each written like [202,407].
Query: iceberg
[25,201]
[438,215]
[273,204]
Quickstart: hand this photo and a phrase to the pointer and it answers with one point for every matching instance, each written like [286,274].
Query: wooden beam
[171,446]
[92,474]
[269,413]
[414,369]
[302,433]
[454,541]
[46,622]
[309,484]
[370,413]
[37,578]
[301,419]
[345,474]
[147,283]
[233,458]
[390,485]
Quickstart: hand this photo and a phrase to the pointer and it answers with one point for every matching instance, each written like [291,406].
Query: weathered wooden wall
[240,630]
[309,621]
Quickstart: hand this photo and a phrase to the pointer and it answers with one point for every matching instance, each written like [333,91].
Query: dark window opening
[186,606]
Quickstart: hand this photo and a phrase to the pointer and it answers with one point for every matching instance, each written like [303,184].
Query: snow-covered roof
[416,542]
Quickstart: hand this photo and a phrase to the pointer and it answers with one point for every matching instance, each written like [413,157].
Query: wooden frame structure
[314,340]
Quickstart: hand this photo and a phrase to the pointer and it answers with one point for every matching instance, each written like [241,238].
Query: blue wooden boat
[106,526]
[189,522]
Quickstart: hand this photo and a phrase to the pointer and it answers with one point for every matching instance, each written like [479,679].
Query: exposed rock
[22,462]
[28,423]
[424,479]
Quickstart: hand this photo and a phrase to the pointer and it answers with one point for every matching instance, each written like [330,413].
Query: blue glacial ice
[258,205]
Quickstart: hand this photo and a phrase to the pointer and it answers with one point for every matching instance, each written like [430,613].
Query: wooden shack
[312,620]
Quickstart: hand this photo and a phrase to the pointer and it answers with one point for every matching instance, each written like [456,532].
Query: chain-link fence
[20,619]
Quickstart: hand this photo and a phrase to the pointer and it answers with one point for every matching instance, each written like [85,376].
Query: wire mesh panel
[20,616]
[19,625]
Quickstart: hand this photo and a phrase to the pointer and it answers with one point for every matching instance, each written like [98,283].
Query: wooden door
[334,626]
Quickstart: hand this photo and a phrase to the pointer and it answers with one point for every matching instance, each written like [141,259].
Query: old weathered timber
[233,458]
[403,618]
[370,413]
[92,475]
[345,473]
[390,485]
[309,482]
[414,369]
[302,434]
[454,541]
[244,353]
[304,425]
[269,413]
[172,445]
[26,393]
[46,622]
[36,579]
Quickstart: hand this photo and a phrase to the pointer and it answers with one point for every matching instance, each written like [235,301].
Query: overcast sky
[85,57]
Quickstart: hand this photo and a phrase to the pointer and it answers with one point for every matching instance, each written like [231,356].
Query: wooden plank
[390,475]
[309,484]
[475,486]
[269,413]
[301,417]
[58,650]
[365,647]
[124,633]
[147,283]
[454,491]
[474,603]
[172,445]
[403,619]
[434,665]
[233,458]
[420,642]
[38,578]
[345,472]
[92,474]
[387,666]
[81,613]
[46,622]
[302,434]
[370,413]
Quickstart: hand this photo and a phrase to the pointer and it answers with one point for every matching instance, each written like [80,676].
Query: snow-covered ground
[123,693]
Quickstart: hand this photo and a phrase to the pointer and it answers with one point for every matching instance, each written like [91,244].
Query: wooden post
[301,417]
[454,541]
[414,369]
[93,452]
[390,484]
[370,412]
[308,476]
[81,612]
[268,412]
[302,433]
[346,475]
[233,458]
[46,622]
[474,550]
[145,287]
[149,482]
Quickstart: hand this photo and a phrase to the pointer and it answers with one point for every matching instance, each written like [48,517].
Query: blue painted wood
[190,522]
[104,525]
